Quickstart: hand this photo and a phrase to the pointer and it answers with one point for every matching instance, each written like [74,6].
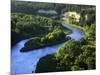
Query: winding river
[25,62]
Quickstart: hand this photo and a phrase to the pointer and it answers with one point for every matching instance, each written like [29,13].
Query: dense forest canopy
[26,22]
[73,55]
[26,26]
[33,7]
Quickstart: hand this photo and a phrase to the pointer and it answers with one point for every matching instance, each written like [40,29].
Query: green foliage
[56,35]
[87,16]
[67,53]
[37,26]
[33,43]
[90,31]
[75,55]
[52,38]
[26,26]
[46,66]
[33,7]
[78,55]
[75,68]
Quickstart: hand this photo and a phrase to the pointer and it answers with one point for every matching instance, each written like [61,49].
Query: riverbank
[68,57]
[73,25]
[45,61]
[59,57]
[53,38]
[49,66]
[30,65]
[30,47]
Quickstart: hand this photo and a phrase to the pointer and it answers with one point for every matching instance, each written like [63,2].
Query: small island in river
[52,37]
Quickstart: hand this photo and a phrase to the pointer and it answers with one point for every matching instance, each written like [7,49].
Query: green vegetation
[45,67]
[73,55]
[29,7]
[26,22]
[25,26]
[87,17]
[28,26]
[55,37]
[33,7]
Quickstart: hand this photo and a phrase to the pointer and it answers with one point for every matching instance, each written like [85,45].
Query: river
[25,62]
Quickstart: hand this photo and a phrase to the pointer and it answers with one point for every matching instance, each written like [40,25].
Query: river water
[25,62]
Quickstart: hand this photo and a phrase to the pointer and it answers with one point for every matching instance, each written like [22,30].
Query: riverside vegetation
[44,31]
[72,56]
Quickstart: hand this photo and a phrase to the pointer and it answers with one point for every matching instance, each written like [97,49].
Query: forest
[41,28]
[72,56]
[45,31]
